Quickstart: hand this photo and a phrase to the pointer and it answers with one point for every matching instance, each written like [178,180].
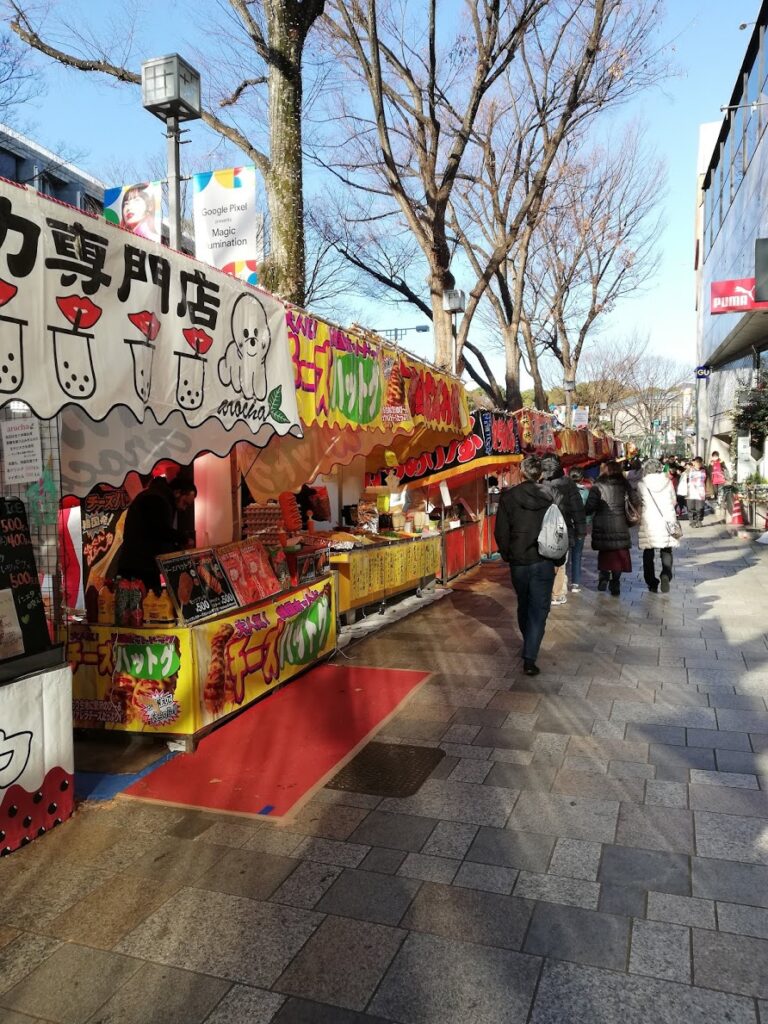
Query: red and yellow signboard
[179,680]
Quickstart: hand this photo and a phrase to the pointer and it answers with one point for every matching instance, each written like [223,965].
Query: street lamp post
[454,302]
[170,89]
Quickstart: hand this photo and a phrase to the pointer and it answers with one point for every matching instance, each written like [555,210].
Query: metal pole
[453,343]
[174,184]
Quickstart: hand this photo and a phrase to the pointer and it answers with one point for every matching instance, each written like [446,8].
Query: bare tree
[655,395]
[609,371]
[597,246]
[262,48]
[476,122]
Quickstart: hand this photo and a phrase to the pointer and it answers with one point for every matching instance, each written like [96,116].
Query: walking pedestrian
[682,490]
[718,477]
[518,524]
[634,475]
[572,508]
[576,548]
[697,492]
[658,524]
[610,530]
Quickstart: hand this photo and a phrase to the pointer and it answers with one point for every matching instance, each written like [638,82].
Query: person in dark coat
[518,524]
[150,529]
[572,507]
[610,530]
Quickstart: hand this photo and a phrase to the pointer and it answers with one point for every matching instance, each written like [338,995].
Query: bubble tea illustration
[190,384]
[143,351]
[72,354]
[11,345]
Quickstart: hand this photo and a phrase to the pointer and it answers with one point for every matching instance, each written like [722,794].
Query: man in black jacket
[150,529]
[518,524]
[572,507]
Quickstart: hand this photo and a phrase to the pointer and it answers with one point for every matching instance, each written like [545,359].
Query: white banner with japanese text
[94,317]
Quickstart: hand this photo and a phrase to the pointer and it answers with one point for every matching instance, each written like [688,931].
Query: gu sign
[734,296]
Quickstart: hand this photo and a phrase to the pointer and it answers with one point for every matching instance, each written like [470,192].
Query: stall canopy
[356,395]
[496,440]
[128,333]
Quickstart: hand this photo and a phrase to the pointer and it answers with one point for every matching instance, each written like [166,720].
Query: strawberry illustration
[24,816]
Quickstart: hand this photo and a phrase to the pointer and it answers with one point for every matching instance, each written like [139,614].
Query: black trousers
[696,510]
[533,586]
[649,565]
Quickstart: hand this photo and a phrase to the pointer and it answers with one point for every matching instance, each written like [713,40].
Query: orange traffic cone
[737,515]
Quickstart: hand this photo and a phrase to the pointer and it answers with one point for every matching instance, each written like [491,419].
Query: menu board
[23,627]
[102,512]
[198,585]
[248,570]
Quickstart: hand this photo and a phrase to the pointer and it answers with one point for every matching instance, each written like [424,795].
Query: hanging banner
[95,318]
[355,395]
[493,442]
[136,208]
[229,230]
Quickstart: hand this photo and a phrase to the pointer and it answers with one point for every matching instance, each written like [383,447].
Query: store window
[736,140]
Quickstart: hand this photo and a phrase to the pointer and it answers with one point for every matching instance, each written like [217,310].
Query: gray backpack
[553,535]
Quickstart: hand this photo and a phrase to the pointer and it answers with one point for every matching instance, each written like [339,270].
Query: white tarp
[93,317]
[105,452]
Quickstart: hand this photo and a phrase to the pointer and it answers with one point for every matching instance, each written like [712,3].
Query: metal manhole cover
[388,769]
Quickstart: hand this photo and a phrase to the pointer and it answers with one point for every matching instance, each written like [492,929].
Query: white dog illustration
[244,364]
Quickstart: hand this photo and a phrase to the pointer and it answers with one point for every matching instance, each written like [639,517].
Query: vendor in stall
[151,528]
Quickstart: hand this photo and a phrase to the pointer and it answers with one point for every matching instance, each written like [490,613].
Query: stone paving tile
[661,950]
[728,801]
[536,777]
[383,860]
[646,869]
[458,733]
[667,734]
[457,801]
[397,831]
[490,716]
[466,751]
[598,787]
[571,817]
[743,721]
[486,877]
[686,910]
[664,754]
[507,848]
[522,703]
[503,738]
[203,931]
[730,881]
[244,873]
[582,763]
[574,892]
[474,916]
[413,729]
[321,971]
[21,955]
[609,749]
[242,1004]
[428,868]
[304,1011]
[226,834]
[583,936]
[655,828]
[442,981]
[306,885]
[622,900]
[368,896]
[450,839]
[742,920]
[70,984]
[631,770]
[166,994]
[274,840]
[577,994]
[732,963]
[331,851]
[731,780]
[469,770]
[730,837]
[742,761]
[576,858]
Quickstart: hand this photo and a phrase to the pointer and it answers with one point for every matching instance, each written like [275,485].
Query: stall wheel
[419,592]
[382,607]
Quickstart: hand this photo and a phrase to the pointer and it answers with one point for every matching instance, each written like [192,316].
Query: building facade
[732,213]
[26,162]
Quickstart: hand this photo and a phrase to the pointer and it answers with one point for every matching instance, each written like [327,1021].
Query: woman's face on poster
[135,208]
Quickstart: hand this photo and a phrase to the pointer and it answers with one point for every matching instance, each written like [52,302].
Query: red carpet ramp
[273,756]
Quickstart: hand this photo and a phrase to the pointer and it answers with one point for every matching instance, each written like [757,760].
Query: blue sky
[105,125]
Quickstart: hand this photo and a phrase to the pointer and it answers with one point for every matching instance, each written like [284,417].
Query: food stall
[358,395]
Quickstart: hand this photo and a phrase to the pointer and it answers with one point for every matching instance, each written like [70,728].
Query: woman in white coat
[658,524]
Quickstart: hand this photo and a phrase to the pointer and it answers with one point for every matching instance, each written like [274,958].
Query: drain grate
[388,769]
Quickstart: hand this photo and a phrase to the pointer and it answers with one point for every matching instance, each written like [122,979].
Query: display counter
[369,575]
[179,680]
[461,549]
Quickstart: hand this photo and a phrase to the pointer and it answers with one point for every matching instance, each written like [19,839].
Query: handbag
[631,513]
[674,530]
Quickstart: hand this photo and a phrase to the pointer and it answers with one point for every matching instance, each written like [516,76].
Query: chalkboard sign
[23,628]
[197,584]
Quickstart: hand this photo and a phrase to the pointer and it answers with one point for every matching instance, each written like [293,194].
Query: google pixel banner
[229,230]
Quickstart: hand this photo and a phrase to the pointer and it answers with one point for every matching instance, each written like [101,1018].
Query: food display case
[372,573]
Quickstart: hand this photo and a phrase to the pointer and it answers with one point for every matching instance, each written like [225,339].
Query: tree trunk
[443,333]
[512,355]
[285,266]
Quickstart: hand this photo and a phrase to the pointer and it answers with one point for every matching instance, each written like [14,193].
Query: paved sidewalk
[592,850]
